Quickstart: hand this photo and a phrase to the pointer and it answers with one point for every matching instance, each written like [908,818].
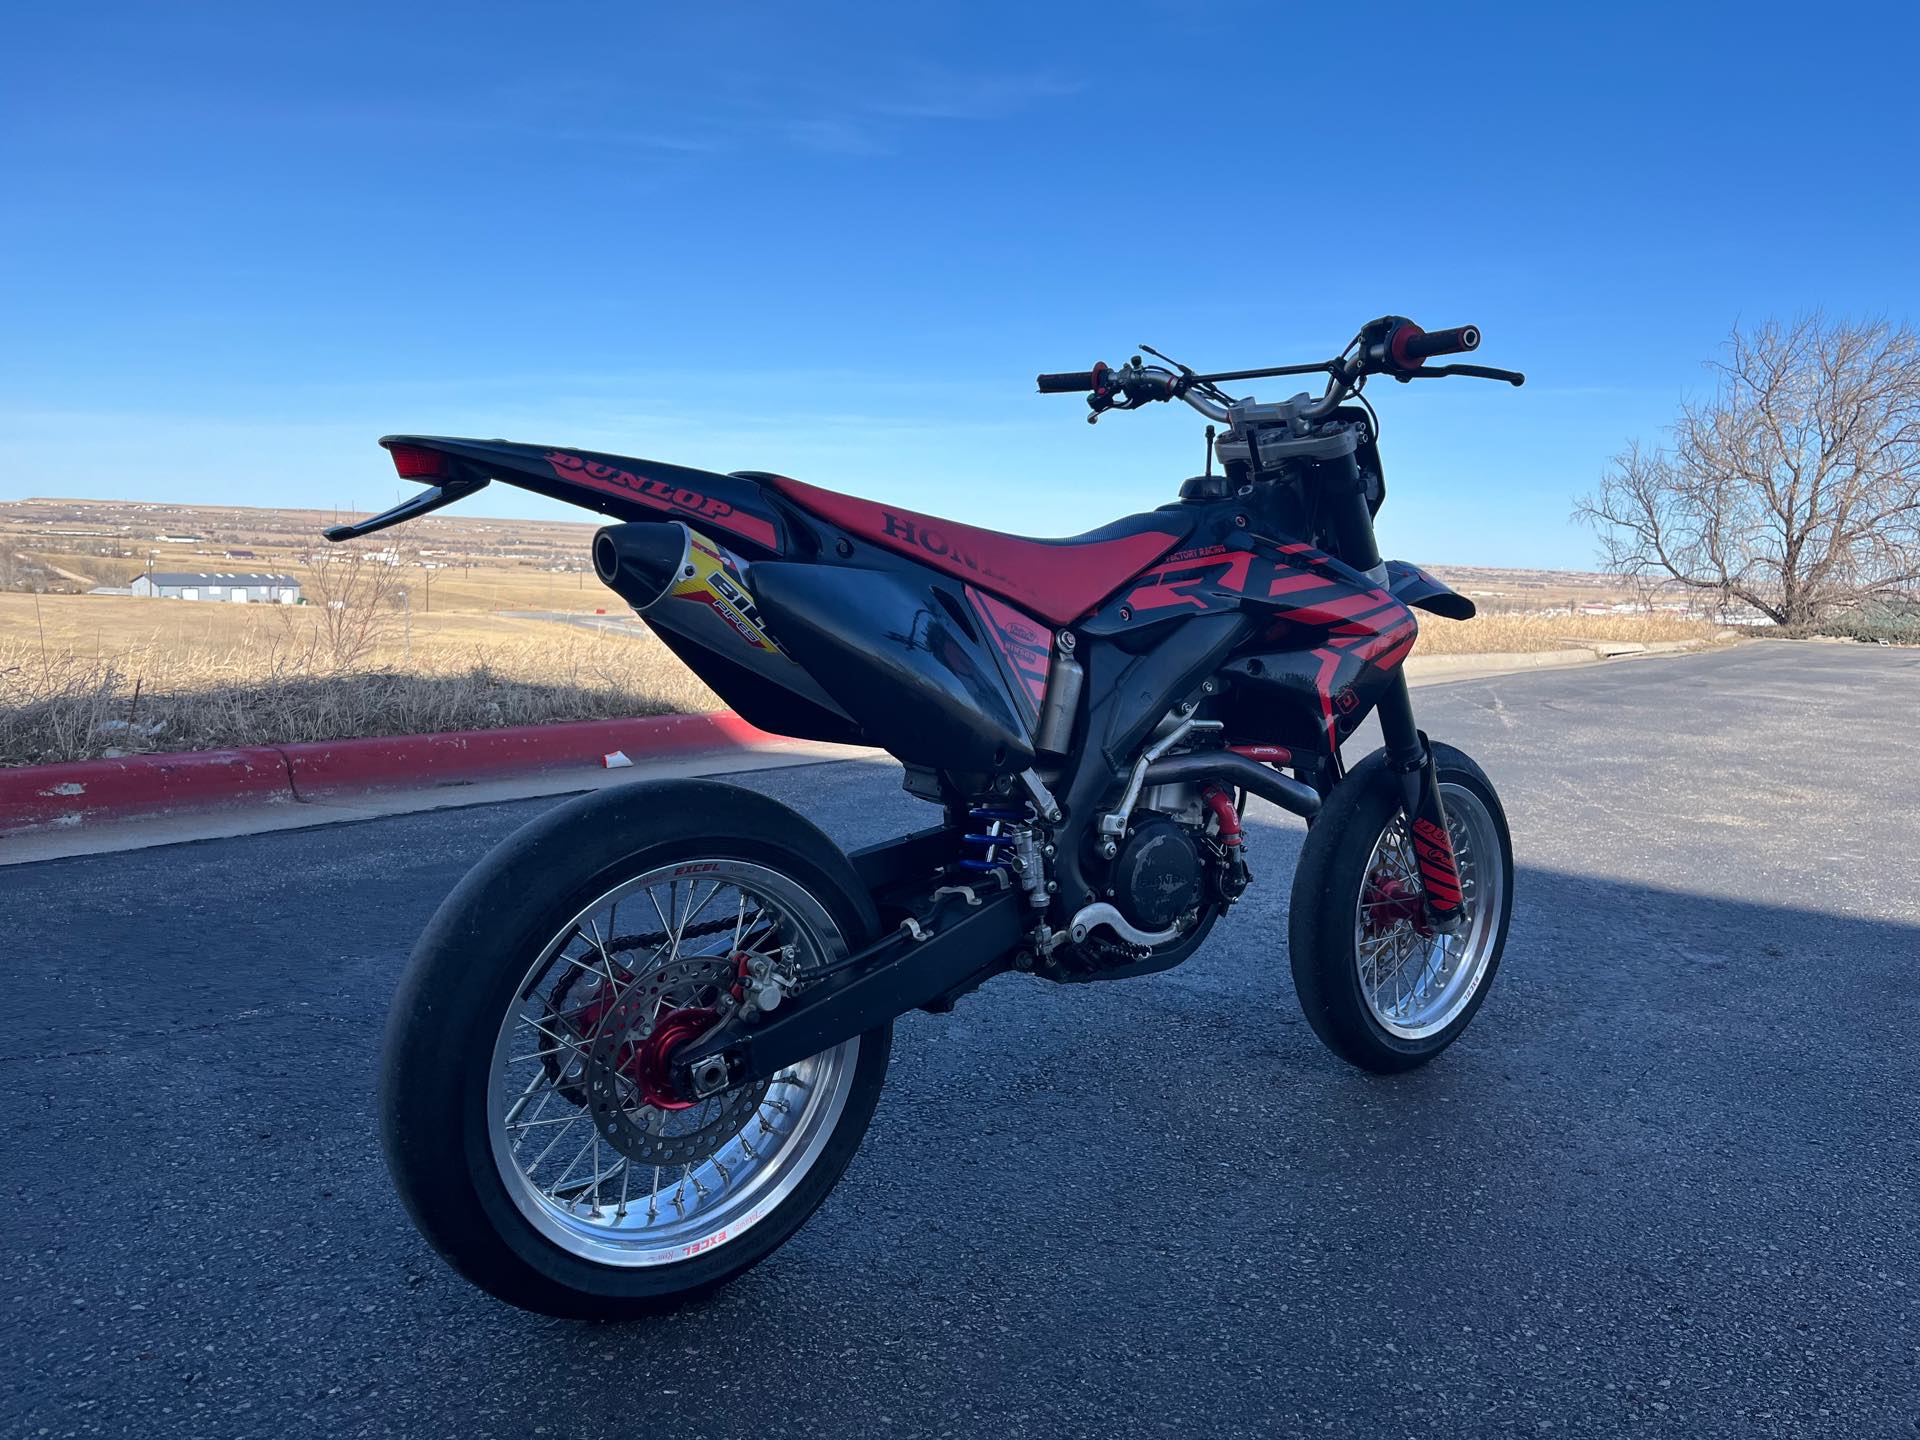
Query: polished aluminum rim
[559,1089]
[1418,984]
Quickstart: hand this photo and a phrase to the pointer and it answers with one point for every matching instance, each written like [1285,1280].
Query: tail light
[414,462]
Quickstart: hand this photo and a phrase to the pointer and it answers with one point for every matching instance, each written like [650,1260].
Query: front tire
[521,1119]
[1377,986]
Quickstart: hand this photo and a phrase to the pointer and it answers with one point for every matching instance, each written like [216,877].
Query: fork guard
[1432,840]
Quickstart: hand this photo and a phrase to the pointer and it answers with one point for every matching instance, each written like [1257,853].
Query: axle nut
[710,1076]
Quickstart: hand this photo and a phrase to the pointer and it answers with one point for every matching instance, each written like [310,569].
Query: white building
[240,589]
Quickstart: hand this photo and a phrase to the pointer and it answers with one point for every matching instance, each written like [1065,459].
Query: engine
[1177,867]
[1159,876]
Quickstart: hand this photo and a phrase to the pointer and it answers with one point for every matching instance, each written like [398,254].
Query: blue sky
[238,243]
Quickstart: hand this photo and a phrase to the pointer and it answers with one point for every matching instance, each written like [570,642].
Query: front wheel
[526,1115]
[1379,986]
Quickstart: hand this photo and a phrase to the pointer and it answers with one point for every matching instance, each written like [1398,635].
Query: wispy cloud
[882,123]
[679,144]
[865,108]
[929,94]
[820,118]
[835,135]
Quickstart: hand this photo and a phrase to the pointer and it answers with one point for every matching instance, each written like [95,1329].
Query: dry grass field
[1509,631]
[105,684]
[85,675]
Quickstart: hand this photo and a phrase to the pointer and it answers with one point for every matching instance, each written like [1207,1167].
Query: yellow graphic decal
[714,583]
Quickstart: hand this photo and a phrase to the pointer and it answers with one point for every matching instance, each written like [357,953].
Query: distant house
[237,589]
[241,555]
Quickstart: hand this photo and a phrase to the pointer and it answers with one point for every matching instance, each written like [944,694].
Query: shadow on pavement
[1664,1182]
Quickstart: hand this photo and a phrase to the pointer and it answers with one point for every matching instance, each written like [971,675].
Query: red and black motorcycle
[640,1042]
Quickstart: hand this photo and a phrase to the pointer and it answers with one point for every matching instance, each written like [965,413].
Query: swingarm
[969,937]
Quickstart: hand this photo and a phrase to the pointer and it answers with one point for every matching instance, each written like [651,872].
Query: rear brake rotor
[626,1066]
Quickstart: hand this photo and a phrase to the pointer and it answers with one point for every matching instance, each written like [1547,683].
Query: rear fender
[615,485]
[1411,585]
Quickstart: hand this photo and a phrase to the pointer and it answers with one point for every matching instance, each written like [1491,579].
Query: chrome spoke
[558,1135]
[592,1140]
[552,1120]
[578,1031]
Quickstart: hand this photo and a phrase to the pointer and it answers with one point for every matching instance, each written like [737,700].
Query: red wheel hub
[1390,900]
[648,1063]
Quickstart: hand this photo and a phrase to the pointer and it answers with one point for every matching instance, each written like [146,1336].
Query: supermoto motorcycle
[640,1042]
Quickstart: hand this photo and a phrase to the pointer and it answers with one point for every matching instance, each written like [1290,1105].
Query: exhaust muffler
[680,580]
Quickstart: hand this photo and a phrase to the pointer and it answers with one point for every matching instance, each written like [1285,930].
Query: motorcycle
[640,1042]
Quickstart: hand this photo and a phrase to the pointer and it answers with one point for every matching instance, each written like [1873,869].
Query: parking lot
[1665,1185]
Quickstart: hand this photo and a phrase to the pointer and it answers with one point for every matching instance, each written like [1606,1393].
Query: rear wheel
[528,1123]
[1380,987]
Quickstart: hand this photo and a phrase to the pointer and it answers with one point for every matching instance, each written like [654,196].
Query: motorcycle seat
[1057,580]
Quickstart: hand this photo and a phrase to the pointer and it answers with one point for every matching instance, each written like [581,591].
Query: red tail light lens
[415,463]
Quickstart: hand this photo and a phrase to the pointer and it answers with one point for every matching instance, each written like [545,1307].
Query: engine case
[1159,874]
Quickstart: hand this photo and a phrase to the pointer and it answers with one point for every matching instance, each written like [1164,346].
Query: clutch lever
[1477,372]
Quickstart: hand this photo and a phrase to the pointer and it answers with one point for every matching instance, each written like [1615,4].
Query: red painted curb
[37,795]
[327,767]
[33,795]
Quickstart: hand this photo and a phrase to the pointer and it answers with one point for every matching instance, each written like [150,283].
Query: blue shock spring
[984,829]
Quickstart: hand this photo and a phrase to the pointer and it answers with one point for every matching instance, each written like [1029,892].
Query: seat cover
[1058,580]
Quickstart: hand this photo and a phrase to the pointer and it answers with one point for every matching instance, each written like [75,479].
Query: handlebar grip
[1070,382]
[1411,349]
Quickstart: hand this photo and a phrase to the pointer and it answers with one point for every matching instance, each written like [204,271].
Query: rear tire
[1379,1021]
[497,950]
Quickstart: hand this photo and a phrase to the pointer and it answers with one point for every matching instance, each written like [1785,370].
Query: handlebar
[1128,388]
[1411,344]
[1392,345]
[1069,382]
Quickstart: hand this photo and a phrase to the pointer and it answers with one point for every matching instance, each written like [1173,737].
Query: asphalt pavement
[1666,1184]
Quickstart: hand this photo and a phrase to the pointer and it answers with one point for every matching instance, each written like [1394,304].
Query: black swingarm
[969,936]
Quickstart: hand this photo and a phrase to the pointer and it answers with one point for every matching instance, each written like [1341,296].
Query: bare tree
[1795,487]
[354,599]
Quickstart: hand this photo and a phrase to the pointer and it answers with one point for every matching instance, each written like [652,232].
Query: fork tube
[1411,759]
[1342,494]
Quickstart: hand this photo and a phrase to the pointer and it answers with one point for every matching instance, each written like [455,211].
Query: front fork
[1411,759]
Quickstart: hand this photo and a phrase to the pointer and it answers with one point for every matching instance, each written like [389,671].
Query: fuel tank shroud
[1326,644]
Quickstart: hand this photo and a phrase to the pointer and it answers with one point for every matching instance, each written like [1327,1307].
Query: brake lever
[1477,372]
[1123,382]
[1104,404]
